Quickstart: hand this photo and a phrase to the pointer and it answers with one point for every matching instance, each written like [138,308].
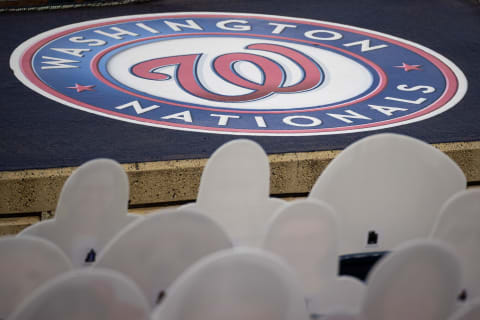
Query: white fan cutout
[234,191]
[420,279]
[238,284]
[304,233]
[387,189]
[91,209]
[459,225]
[155,250]
[25,264]
[85,294]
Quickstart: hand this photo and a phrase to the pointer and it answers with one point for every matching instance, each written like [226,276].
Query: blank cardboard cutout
[154,251]
[238,284]
[459,225]
[304,233]
[85,294]
[234,191]
[419,280]
[25,264]
[469,311]
[91,209]
[386,189]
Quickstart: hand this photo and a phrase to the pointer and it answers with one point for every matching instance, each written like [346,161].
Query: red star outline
[408,67]
[81,88]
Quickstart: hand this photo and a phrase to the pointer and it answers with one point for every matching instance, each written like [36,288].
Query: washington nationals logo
[242,74]
[273,73]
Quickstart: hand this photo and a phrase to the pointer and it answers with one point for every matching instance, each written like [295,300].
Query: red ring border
[450,78]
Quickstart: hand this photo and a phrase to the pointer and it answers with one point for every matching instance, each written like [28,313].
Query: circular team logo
[239,74]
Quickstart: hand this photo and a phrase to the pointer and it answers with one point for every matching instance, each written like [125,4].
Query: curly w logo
[273,80]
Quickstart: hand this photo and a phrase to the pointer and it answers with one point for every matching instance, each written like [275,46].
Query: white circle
[344,79]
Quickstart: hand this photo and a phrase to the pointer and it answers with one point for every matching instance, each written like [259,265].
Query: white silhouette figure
[234,191]
[238,284]
[459,225]
[387,189]
[25,264]
[81,294]
[155,250]
[91,209]
[421,279]
[305,234]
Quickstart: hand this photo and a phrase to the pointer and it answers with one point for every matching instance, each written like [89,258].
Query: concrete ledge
[11,226]
[171,181]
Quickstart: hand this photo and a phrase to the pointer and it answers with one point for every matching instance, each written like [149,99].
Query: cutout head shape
[304,233]
[155,250]
[418,280]
[459,225]
[85,294]
[234,191]
[238,284]
[379,185]
[92,208]
[25,264]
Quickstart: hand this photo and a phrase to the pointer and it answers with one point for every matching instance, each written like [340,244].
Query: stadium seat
[25,264]
[305,234]
[459,225]
[237,284]
[234,191]
[155,250]
[420,279]
[91,209]
[85,294]
[387,189]
[469,311]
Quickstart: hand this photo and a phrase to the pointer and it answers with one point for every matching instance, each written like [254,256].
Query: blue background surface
[36,132]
